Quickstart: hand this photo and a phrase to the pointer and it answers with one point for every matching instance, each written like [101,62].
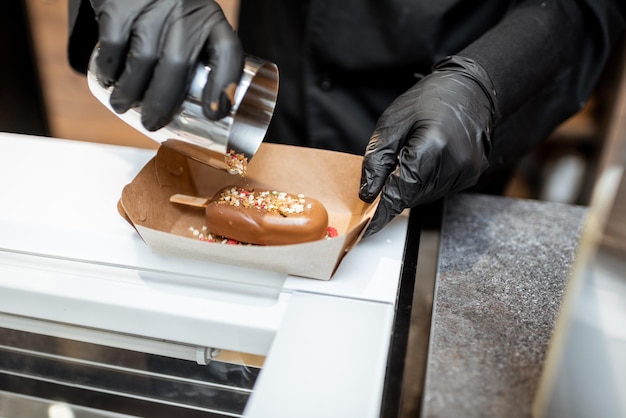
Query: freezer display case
[92,323]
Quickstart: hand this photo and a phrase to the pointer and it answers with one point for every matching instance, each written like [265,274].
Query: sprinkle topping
[280,203]
[236,163]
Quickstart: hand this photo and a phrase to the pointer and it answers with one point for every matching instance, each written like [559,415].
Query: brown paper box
[331,177]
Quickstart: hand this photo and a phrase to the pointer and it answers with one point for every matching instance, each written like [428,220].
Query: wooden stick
[183,199]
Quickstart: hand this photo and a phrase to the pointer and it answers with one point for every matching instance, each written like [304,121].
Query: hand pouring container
[242,131]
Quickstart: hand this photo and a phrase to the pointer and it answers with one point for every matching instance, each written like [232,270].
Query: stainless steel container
[192,134]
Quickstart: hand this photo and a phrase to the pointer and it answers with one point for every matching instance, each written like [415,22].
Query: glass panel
[87,374]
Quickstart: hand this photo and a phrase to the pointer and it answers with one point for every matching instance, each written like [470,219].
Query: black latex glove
[150,48]
[432,140]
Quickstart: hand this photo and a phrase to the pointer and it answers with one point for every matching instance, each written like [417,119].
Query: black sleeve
[544,59]
[83,34]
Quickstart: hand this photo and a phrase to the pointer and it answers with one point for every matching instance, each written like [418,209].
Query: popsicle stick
[183,199]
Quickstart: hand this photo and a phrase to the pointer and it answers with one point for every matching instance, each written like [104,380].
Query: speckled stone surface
[503,267]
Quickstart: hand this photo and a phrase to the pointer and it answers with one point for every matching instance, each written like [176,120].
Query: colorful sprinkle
[280,203]
[237,164]
[331,232]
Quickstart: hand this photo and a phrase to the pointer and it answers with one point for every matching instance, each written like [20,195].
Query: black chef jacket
[342,62]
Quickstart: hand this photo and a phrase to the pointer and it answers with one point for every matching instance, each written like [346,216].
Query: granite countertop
[503,264]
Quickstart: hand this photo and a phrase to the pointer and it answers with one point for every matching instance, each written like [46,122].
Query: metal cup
[242,131]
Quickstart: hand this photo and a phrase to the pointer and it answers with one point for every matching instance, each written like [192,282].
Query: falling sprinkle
[236,163]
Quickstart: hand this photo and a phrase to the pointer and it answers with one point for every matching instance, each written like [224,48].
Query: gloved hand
[149,50]
[432,140]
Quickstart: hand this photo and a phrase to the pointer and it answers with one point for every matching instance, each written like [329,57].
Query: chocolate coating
[254,224]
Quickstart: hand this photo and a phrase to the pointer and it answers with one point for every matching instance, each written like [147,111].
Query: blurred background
[41,95]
